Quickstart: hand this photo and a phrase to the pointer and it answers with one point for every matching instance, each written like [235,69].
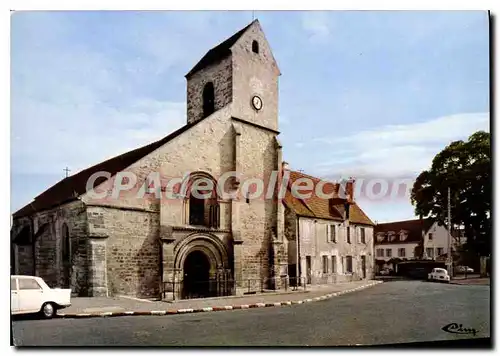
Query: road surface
[393,312]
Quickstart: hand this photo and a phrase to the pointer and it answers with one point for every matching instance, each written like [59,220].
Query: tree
[465,168]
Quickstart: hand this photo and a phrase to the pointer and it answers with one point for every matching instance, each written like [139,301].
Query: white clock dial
[257,102]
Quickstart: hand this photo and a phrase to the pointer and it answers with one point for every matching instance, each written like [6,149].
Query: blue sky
[362,93]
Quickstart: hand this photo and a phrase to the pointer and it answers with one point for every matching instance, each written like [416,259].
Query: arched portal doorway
[196,283]
[202,262]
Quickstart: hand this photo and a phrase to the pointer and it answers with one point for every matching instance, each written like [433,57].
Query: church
[175,245]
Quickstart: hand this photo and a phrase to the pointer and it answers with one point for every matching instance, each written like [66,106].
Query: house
[331,238]
[399,240]
[114,228]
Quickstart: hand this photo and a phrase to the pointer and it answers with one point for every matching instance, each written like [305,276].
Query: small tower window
[208,99]
[255,47]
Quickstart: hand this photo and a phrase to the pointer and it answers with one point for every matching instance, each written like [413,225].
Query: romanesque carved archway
[203,262]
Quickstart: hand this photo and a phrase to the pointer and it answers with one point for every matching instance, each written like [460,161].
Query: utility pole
[450,257]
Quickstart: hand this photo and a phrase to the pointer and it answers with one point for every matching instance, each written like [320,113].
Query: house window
[348,235]
[430,236]
[401,252]
[325,264]
[208,99]
[363,237]
[429,252]
[334,264]
[388,252]
[380,252]
[440,251]
[332,233]
[349,264]
[255,47]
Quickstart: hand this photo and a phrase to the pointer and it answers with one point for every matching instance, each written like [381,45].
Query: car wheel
[48,310]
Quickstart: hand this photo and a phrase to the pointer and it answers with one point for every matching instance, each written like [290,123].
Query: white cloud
[316,24]
[398,150]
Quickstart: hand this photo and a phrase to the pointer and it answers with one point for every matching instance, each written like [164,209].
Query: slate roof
[318,207]
[219,52]
[413,227]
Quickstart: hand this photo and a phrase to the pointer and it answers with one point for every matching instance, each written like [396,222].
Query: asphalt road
[393,312]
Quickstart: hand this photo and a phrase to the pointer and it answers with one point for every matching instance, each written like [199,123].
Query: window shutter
[327,232]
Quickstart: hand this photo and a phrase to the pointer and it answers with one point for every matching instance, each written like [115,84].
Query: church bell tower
[241,72]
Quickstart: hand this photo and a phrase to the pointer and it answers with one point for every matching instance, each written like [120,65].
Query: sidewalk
[471,281]
[123,305]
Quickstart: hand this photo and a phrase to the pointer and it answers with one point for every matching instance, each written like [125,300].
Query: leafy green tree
[465,168]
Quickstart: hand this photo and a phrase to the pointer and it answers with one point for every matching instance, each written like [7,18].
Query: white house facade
[398,241]
[332,243]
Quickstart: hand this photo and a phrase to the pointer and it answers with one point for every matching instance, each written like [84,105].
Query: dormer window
[392,235]
[403,235]
[380,236]
[255,47]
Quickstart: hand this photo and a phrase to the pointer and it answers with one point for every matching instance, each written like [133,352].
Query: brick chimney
[349,189]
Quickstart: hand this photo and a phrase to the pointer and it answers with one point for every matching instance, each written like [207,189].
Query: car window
[26,283]
[13,284]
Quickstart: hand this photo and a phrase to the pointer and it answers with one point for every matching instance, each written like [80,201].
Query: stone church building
[152,245]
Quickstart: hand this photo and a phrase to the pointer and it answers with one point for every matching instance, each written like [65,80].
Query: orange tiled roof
[318,207]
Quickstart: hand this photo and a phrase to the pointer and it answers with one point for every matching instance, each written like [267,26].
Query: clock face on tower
[257,102]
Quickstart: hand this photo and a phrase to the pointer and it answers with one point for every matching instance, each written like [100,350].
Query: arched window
[255,47]
[203,207]
[66,246]
[208,99]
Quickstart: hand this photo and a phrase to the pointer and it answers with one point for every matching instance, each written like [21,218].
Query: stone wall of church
[208,147]
[257,217]
[22,261]
[48,245]
[220,74]
[126,251]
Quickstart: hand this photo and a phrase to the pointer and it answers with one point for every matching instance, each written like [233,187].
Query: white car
[29,294]
[464,269]
[385,272]
[439,274]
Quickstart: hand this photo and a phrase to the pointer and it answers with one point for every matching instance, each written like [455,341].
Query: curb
[212,309]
